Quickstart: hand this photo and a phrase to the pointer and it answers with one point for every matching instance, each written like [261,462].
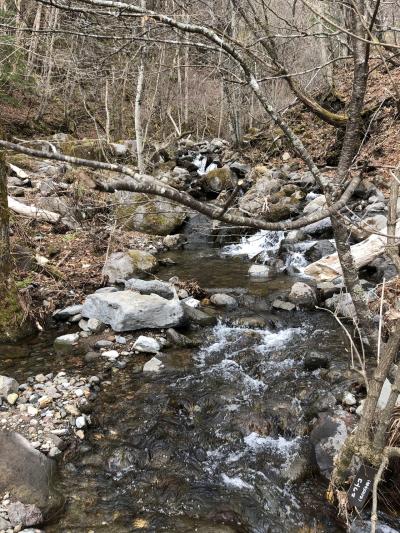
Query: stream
[217,442]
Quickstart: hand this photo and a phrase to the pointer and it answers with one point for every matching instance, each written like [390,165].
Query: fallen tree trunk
[328,268]
[33,212]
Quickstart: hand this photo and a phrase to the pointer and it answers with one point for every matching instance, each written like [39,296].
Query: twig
[377,479]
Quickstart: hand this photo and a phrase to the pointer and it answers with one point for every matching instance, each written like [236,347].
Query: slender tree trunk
[138,105]
[11,313]
[138,116]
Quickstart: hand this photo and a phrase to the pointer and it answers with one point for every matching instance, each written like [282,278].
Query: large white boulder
[128,311]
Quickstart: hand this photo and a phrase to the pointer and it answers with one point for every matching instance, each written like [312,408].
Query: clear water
[206,445]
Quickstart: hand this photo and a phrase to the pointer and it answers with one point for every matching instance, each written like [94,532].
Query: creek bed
[217,441]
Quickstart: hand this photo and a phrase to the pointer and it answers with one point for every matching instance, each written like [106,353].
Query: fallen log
[32,212]
[328,268]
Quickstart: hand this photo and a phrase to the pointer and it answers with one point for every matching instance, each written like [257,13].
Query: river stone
[314,361]
[328,437]
[156,216]
[24,515]
[128,311]
[281,304]
[12,398]
[300,465]
[224,300]
[26,473]
[302,295]
[146,345]
[320,249]
[177,339]
[8,386]
[259,271]
[66,340]
[218,179]
[67,313]
[149,287]
[154,365]
[122,265]
[197,316]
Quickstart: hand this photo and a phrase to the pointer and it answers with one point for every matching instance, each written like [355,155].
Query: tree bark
[12,317]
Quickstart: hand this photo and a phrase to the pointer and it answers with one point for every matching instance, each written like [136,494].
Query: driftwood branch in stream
[328,268]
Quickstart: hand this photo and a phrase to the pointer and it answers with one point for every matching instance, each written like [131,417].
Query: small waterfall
[263,244]
[201,163]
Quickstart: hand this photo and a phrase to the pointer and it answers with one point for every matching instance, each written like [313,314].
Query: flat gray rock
[129,311]
[27,473]
[149,287]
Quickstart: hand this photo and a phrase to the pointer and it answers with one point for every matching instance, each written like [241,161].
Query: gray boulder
[26,473]
[328,437]
[7,386]
[128,311]
[122,265]
[149,287]
[218,179]
[302,295]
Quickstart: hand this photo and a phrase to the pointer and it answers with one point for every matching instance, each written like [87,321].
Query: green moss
[85,149]
[156,217]
[23,283]
[13,323]
[218,180]
[143,260]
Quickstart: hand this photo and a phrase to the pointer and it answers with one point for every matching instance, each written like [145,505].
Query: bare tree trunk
[138,106]
[35,38]
[11,313]
[138,115]
[107,112]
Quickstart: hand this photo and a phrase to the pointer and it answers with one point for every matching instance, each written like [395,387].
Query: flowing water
[217,441]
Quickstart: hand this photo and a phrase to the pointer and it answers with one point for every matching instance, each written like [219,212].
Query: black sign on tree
[361,486]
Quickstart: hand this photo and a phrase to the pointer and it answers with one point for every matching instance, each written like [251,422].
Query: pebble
[32,411]
[154,365]
[80,422]
[12,398]
[146,345]
[111,354]
[103,344]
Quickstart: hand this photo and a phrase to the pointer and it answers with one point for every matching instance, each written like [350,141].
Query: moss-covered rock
[142,212]
[277,212]
[125,265]
[85,149]
[218,180]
